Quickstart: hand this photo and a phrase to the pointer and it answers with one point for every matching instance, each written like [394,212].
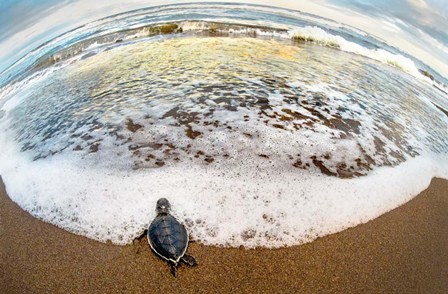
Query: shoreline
[402,251]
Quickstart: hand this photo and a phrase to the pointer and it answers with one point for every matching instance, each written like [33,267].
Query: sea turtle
[169,238]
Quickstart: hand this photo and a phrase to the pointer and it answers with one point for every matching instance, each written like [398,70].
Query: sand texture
[403,251]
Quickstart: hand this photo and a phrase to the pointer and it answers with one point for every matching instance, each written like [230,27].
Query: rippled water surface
[259,137]
[223,101]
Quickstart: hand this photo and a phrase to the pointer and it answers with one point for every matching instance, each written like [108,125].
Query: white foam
[244,200]
[239,207]
[318,36]
[321,37]
[10,90]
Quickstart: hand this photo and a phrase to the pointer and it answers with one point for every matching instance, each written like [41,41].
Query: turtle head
[163,206]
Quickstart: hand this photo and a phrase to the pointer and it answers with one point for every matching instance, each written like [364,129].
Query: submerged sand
[403,251]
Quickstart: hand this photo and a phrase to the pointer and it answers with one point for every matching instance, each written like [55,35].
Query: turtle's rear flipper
[188,259]
[173,269]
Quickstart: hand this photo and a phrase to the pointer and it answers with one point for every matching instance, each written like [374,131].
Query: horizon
[26,24]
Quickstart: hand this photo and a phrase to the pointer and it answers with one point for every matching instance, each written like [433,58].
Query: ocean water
[262,126]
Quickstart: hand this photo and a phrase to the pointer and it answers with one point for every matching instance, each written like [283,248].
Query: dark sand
[403,251]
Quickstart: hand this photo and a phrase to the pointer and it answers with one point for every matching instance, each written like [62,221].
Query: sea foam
[312,34]
[260,141]
[113,133]
[321,37]
[236,207]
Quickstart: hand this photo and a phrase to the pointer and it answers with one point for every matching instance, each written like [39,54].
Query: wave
[257,140]
[319,36]
[307,34]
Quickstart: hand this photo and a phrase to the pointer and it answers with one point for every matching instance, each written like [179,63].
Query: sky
[18,15]
[418,27]
[431,16]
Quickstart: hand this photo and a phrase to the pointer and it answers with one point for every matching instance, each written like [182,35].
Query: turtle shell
[168,238]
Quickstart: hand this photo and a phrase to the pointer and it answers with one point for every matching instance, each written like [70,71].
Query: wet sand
[403,251]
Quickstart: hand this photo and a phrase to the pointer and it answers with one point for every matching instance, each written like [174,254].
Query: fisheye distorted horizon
[417,27]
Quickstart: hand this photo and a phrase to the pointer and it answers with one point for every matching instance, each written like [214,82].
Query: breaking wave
[261,133]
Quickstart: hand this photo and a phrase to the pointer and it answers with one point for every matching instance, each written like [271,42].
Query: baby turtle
[169,238]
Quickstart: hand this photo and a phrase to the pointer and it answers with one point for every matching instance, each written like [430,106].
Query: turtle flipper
[188,259]
[173,269]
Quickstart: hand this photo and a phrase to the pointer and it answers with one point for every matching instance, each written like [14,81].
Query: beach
[402,251]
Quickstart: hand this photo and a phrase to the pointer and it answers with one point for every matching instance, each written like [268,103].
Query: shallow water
[257,139]
[225,101]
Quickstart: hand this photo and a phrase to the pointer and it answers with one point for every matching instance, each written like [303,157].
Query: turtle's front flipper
[188,259]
